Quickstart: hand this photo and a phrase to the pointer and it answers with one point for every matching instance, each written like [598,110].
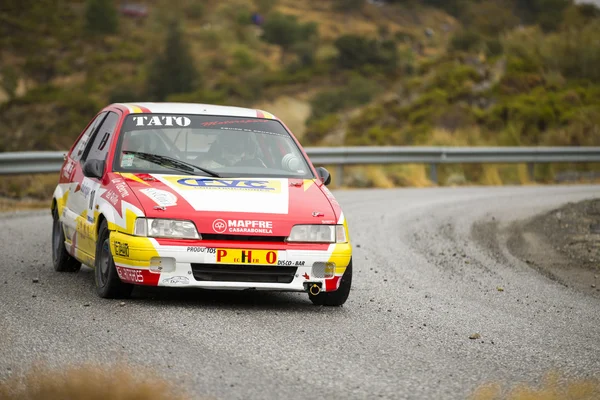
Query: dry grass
[7,205]
[552,387]
[89,382]
[36,186]
[291,110]
[491,176]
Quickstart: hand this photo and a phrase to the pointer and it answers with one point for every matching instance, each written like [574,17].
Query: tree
[101,17]
[173,71]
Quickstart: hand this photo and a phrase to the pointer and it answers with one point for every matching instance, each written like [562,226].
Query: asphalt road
[427,266]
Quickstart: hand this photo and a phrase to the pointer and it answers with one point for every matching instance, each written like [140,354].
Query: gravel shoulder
[563,244]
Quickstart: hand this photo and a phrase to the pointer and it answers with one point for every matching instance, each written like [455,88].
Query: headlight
[166,228]
[318,234]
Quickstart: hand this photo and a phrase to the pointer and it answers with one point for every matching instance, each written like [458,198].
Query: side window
[85,138]
[102,138]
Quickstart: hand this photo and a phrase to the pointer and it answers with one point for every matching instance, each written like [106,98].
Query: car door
[82,199]
[69,171]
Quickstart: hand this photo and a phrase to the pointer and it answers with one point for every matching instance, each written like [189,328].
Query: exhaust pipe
[312,288]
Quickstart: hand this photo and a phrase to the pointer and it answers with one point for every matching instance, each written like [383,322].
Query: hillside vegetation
[341,72]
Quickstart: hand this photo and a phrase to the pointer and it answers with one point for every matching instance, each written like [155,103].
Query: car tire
[61,259]
[108,283]
[338,297]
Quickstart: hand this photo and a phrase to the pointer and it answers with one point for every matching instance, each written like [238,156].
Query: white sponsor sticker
[127,160]
[251,195]
[176,280]
[161,120]
[242,226]
[161,197]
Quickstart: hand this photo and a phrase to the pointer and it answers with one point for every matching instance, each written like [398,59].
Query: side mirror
[324,175]
[93,169]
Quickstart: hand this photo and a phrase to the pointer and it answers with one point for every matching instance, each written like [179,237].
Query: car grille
[243,273]
[242,238]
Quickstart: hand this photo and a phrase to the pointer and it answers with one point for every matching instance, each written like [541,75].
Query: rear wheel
[338,297]
[61,259]
[108,283]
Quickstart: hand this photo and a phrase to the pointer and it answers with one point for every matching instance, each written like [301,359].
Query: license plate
[239,256]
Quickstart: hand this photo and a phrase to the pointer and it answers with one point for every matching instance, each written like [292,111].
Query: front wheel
[339,297]
[108,283]
[61,259]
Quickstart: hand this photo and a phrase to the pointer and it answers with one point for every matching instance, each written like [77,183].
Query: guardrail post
[433,175]
[339,176]
[531,171]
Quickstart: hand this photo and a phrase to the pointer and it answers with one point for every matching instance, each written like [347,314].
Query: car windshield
[215,145]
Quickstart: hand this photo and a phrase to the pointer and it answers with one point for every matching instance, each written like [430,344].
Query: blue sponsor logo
[226,184]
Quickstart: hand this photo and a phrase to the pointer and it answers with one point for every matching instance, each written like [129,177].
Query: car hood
[233,206]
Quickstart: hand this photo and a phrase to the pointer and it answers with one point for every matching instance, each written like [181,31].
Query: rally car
[202,196]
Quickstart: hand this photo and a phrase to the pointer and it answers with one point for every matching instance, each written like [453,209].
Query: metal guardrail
[51,161]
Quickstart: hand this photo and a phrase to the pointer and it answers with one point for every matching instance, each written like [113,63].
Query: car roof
[194,108]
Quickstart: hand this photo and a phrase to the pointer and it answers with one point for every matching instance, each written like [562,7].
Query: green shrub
[265,6]
[455,79]
[519,82]
[10,80]
[319,128]
[246,88]
[575,53]
[285,31]
[204,96]
[195,10]
[327,102]
[61,114]
[101,17]
[356,52]
[358,91]
[489,18]
[305,51]
[124,93]
[244,17]
[289,76]
[466,41]
[436,97]
[493,47]
[349,5]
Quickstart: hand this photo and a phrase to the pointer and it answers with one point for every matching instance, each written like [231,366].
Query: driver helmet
[233,147]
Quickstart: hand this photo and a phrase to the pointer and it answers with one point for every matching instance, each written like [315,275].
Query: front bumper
[228,265]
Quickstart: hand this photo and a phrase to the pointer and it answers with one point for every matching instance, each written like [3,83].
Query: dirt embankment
[563,244]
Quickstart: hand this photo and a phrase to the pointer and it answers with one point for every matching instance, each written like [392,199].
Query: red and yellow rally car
[194,195]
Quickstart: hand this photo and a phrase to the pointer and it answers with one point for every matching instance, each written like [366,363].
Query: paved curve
[426,274]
